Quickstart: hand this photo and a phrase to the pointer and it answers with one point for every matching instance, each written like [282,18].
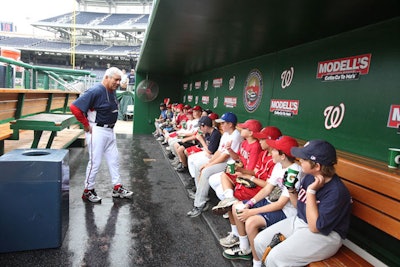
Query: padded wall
[350,109]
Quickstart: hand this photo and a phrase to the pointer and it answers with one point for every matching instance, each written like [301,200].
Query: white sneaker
[175,162]
[237,253]
[91,196]
[121,192]
[161,138]
[229,241]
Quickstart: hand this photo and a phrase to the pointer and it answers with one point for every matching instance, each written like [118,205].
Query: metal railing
[34,77]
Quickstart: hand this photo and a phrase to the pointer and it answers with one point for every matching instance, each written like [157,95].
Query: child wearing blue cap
[323,213]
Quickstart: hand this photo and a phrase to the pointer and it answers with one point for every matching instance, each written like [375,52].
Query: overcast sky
[24,12]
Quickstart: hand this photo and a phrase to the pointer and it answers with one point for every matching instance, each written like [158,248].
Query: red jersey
[264,167]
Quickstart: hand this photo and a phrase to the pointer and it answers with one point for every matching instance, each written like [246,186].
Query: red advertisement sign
[348,68]
[205,99]
[394,116]
[284,107]
[217,83]
[197,84]
[230,102]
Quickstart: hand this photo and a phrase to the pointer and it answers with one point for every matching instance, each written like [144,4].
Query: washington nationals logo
[253,89]
[287,77]
[334,116]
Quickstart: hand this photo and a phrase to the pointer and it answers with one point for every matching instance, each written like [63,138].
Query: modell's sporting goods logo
[284,107]
[342,69]
[252,92]
[394,116]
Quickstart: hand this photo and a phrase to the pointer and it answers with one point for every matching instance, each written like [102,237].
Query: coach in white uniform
[97,110]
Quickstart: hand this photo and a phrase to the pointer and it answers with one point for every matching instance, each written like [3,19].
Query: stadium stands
[116,19]
[143,20]
[87,17]
[90,48]
[45,45]
[94,38]
[122,49]
[56,46]
[83,18]
[57,19]
[19,41]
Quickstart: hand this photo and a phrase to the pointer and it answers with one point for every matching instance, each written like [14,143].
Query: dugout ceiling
[190,36]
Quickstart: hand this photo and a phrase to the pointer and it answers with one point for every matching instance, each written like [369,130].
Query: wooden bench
[5,133]
[44,122]
[375,190]
[16,104]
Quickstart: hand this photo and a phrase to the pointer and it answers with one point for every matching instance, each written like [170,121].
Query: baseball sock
[244,243]
[256,263]
[234,230]
[228,193]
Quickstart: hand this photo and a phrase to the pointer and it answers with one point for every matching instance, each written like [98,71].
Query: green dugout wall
[316,69]
[352,113]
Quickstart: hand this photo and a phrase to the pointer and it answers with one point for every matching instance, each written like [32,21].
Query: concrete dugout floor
[152,229]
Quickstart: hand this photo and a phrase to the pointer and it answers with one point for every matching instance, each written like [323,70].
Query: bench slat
[344,257]
[377,201]
[385,182]
[34,106]
[377,219]
[5,131]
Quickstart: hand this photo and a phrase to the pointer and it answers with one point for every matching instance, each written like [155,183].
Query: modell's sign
[349,68]
[217,83]
[197,84]
[394,116]
[283,107]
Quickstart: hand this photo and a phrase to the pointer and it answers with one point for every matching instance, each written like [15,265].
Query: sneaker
[175,162]
[190,184]
[224,206]
[164,143]
[179,165]
[192,194]
[121,192]
[161,138]
[225,216]
[229,241]
[90,196]
[168,148]
[170,155]
[182,169]
[236,253]
[196,211]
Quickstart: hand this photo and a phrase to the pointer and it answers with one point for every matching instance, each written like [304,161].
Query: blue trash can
[34,199]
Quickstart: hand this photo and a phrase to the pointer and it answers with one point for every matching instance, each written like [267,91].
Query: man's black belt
[105,125]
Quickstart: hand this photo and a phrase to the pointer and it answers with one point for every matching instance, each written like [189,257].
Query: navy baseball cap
[227,117]
[205,120]
[319,151]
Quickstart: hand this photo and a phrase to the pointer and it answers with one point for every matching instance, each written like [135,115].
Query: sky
[24,12]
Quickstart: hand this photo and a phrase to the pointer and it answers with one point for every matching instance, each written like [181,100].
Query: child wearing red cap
[271,204]
[254,181]
[224,183]
[177,122]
